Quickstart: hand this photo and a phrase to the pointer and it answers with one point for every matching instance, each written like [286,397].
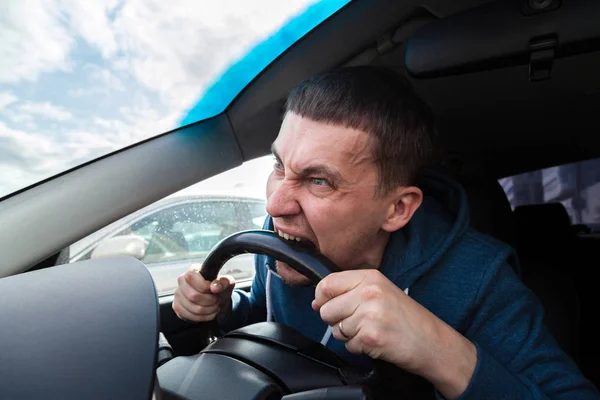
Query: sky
[79,79]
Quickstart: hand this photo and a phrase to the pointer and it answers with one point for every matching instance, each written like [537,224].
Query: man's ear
[404,201]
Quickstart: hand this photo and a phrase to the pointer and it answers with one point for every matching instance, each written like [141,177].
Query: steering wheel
[269,360]
[297,255]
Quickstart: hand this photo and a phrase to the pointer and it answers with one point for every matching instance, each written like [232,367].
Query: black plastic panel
[335,393]
[296,372]
[215,377]
[282,335]
[274,332]
[269,358]
[503,33]
[86,330]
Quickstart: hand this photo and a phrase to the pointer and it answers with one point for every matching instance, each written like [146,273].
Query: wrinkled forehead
[302,139]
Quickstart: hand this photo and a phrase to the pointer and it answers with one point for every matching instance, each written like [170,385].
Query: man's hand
[374,317]
[198,300]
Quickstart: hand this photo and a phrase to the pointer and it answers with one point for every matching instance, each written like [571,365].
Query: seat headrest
[490,209]
[549,221]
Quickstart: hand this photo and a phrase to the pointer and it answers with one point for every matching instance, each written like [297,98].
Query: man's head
[350,147]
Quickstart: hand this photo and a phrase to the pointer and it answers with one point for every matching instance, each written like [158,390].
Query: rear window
[576,186]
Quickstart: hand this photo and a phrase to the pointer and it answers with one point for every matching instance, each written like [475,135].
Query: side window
[576,186]
[145,230]
[184,232]
[255,213]
[172,234]
[170,238]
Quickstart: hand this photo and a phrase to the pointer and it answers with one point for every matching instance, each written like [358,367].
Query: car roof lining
[500,125]
[256,112]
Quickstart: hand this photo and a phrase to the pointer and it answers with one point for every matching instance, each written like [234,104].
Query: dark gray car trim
[60,211]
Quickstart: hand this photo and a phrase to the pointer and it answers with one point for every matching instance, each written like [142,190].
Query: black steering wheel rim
[297,255]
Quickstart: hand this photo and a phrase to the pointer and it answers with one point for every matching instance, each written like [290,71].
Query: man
[419,288]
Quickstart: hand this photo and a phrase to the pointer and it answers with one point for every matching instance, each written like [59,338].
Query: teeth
[287,236]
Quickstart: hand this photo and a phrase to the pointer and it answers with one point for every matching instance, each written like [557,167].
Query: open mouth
[296,239]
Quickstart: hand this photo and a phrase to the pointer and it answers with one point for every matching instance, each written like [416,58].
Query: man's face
[323,189]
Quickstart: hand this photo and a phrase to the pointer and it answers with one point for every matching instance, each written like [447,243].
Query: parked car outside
[173,234]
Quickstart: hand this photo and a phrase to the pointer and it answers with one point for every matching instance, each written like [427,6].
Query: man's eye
[277,164]
[320,181]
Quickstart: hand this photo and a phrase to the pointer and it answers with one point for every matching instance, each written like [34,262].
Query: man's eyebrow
[315,169]
[321,170]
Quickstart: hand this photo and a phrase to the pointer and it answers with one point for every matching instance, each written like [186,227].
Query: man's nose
[283,200]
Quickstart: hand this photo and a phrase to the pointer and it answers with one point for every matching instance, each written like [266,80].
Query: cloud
[91,21]
[39,35]
[45,110]
[166,43]
[79,79]
[33,40]
[20,112]
[25,158]
[101,81]
[6,98]
[104,77]
[185,49]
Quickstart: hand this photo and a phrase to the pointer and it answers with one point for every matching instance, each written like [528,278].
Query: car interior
[514,86]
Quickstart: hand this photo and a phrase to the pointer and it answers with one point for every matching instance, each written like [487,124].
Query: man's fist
[373,316]
[198,300]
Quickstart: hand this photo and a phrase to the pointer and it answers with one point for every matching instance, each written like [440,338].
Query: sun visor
[505,33]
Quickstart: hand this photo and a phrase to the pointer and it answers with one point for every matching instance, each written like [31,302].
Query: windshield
[79,80]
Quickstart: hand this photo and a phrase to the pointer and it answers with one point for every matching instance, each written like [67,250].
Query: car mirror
[129,245]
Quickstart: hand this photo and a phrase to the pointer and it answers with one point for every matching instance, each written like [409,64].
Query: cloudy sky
[79,79]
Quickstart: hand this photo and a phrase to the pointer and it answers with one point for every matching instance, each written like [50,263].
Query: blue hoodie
[463,277]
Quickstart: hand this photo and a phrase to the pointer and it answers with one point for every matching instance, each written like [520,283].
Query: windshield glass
[79,80]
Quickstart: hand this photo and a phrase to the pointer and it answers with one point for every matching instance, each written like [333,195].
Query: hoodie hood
[438,223]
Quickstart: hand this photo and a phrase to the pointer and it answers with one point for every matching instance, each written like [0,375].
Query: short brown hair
[378,101]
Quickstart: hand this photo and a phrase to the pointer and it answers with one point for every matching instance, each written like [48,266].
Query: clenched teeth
[287,237]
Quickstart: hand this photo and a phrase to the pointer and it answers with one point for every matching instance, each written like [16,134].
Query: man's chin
[290,276]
